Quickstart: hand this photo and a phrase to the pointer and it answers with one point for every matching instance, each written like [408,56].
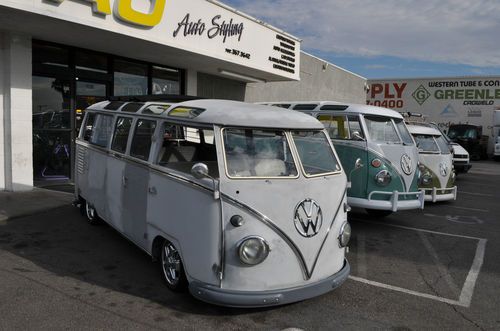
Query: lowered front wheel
[172,269]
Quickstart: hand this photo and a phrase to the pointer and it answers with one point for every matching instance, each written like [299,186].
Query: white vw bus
[437,175]
[376,150]
[244,204]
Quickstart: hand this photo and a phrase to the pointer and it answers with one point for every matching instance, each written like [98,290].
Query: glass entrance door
[52,129]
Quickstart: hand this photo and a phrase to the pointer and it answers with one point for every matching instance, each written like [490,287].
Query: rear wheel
[91,214]
[171,267]
[378,213]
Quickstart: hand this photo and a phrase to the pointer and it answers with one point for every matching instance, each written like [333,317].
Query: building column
[191,82]
[16,154]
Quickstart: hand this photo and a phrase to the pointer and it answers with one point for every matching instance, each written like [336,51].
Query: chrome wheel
[171,263]
[91,213]
[172,268]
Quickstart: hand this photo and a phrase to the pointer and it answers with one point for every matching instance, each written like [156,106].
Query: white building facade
[59,56]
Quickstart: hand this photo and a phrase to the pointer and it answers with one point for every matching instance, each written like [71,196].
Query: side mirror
[200,170]
[357,135]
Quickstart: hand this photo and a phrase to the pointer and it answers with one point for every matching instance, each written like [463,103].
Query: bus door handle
[152,190]
[124,181]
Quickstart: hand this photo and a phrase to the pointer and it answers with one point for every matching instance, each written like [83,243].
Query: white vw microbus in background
[244,204]
[437,175]
[376,150]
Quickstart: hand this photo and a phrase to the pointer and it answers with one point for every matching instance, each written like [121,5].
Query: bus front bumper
[253,299]
[440,194]
[394,203]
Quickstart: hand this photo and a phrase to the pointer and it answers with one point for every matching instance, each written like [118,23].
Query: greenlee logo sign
[421,95]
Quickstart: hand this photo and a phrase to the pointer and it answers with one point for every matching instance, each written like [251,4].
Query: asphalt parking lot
[438,268]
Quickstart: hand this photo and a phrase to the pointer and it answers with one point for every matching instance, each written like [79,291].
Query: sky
[391,38]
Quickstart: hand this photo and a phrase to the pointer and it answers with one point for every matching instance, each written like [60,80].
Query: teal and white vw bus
[437,177]
[376,150]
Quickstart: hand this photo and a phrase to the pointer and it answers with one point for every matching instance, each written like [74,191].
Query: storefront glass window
[91,62]
[51,128]
[166,81]
[49,55]
[130,78]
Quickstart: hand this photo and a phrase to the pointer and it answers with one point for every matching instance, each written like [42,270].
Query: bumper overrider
[393,203]
[253,299]
[440,194]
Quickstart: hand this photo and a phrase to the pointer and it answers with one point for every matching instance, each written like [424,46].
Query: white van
[244,204]
[437,175]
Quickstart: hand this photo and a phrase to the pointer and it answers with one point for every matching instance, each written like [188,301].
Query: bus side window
[355,126]
[184,146]
[101,131]
[142,140]
[335,125]
[122,131]
[89,125]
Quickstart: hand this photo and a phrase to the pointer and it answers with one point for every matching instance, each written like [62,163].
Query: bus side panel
[134,202]
[348,154]
[114,192]
[96,182]
[190,217]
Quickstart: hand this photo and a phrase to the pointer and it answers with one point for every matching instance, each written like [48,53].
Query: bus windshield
[258,153]
[381,129]
[315,152]
[426,143]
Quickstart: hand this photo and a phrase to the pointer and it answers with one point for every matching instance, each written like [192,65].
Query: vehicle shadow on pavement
[61,243]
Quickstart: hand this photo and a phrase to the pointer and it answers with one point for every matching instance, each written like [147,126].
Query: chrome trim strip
[268,222]
[393,166]
[155,168]
[341,203]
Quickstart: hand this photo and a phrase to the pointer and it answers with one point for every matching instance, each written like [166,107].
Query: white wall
[319,80]
[15,109]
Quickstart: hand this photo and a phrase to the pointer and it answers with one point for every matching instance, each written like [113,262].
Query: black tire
[377,213]
[171,268]
[91,213]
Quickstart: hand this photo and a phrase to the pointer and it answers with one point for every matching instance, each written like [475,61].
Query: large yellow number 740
[123,10]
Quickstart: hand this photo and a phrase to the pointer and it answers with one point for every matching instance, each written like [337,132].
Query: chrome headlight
[253,250]
[426,178]
[345,234]
[383,178]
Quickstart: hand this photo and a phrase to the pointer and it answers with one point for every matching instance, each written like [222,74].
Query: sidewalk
[18,204]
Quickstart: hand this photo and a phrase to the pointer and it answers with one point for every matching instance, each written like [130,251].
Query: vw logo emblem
[406,164]
[308,218]
[443,169]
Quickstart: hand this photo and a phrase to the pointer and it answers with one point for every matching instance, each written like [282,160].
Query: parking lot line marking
[470,281]
[478,194]
[473,209]
[421,230]
[443,271]
[467,292]
[404,290]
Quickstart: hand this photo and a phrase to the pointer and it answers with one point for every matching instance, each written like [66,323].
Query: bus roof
[341,106]
[220,112]
[424,130]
